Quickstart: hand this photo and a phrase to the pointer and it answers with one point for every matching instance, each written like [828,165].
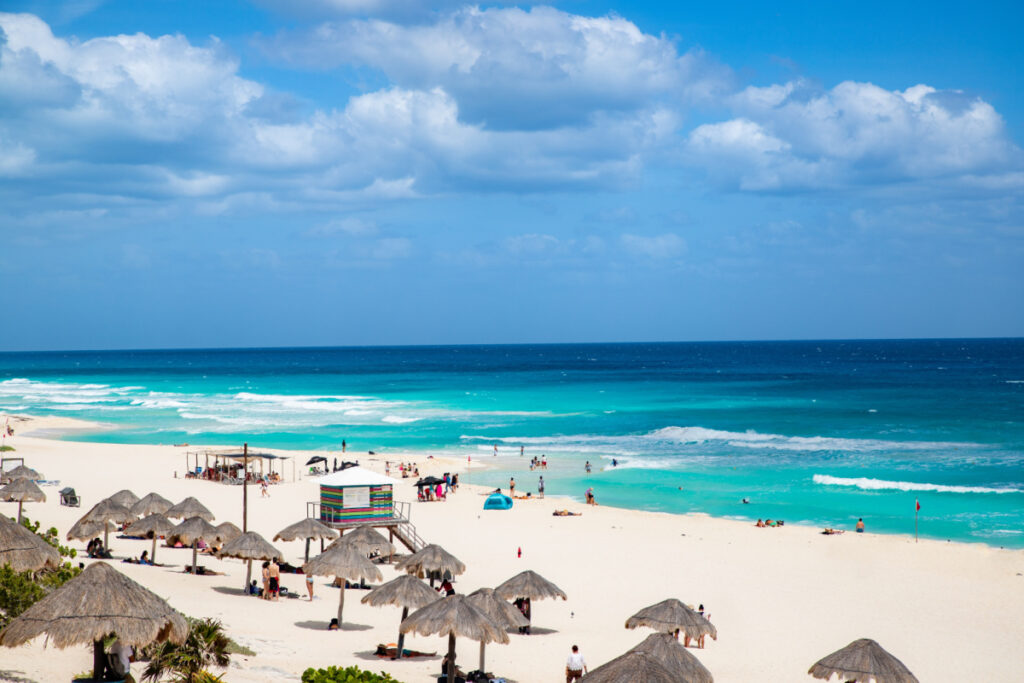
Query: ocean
[810,432]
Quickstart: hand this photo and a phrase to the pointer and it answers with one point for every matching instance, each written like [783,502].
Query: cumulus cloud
[665,246]
[796,135]
[518,69]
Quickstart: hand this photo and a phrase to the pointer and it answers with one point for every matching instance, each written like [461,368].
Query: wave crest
[869,484]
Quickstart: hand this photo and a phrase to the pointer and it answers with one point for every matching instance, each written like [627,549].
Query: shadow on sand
[322,626]
[15,677]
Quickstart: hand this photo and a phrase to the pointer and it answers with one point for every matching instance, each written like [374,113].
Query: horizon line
[315,347]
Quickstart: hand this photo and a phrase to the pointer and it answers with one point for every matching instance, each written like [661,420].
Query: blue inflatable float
[498,501]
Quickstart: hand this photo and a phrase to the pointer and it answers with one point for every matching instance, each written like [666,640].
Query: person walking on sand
[343,445]
[263,489]
[512,487]
[309,586]
[540,486]
[575,667]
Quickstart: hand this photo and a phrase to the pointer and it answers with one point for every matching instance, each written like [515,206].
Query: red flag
[918,503]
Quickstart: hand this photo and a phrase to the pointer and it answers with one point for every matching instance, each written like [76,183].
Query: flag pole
[917,509]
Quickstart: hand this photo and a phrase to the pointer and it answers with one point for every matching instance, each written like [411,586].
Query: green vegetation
[21,590]
[206,645]
[352,674]
[5,448]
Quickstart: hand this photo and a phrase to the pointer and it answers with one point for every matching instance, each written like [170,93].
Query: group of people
[95,549]
[540,463]
[408,470]
[769,522]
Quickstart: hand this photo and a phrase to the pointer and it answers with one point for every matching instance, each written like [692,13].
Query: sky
[178,173]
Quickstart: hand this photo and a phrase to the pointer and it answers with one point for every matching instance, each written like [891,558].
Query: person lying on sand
[566,513]
[831,532]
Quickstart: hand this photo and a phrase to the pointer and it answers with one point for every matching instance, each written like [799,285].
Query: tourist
[309,586]
[266,581]
[860,525]
[512,487]
[575,667]
[587,467]
[540,486]
[275,579]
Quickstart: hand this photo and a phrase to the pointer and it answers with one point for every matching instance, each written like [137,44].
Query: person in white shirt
[121,658]
[575,667]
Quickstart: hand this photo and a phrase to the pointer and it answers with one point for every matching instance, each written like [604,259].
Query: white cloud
[664,246]
[355,227]
[531,244]
[516,69]
[795,135]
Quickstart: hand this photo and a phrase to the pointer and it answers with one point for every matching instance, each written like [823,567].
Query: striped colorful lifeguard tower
[356,497]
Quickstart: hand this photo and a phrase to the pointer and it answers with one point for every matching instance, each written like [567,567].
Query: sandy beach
[780,598]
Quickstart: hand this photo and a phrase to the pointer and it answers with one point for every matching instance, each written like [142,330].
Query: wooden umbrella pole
[21,502]
[483,646]
[401,636]
[106,536]
[195,553]
[451,659]
[341,600]
[152,555]
[248,575]
[307,549]
[99,660]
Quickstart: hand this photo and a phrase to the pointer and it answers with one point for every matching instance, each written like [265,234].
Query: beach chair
[69,498]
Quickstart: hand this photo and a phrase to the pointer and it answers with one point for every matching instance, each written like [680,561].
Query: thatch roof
[453,616]
[367,540]
[124,497]
[432,558]
[529,584]
[502,613]
[306,528]
[633,667]
[863,661]
[24,550]
[193,529]
[674,657]
[669,615]
[21,472]
[190,507]
[86,528]
[98,602]
[226,531]
[109,511]
[405,591]
[150,504]
[344,562]
[155,524]
[249,546]
[22,490]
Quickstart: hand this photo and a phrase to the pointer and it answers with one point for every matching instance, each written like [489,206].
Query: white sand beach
[781,598]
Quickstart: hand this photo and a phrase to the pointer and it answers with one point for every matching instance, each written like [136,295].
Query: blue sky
[333,172]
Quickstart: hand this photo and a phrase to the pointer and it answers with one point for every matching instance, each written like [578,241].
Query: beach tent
[498,501]
[356,496]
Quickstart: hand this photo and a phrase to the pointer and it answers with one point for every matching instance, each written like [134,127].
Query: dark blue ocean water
[813,432]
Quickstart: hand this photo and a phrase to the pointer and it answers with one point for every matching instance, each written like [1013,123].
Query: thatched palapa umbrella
[151,504]
[430,560]
[85,529]
[153,526]
[666,649]
[307,529]
[249,546]
[633,667]
[531,586]
[106,512]
[343,562]
[368,540]
[124,497]
[24,550]
[863,661]
[190,507]
[406,591]
[669,615]
[226,531]
[503,614]
[190,531]
[453,616]
[21,472]
[23,491]
[97,603]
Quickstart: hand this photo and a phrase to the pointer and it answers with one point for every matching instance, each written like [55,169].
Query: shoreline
[64,429]
[781,598]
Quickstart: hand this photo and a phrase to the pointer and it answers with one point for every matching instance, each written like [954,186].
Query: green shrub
[205,645]
[352,674]
[20,590]
[4,449]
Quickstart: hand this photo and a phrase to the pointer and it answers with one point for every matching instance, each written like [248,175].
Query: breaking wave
[884,485]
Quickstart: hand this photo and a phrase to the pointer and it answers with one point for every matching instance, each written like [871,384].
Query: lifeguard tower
[356,497]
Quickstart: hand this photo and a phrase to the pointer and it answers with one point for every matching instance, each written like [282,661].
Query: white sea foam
[398,419]
[885,485]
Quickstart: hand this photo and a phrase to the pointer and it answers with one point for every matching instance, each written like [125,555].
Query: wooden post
[195,552]
[341,601]
[451,658]
[482,646]
[401,636]
[152,555]
[99,660]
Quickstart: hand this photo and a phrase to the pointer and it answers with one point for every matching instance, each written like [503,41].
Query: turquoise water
[810,432]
